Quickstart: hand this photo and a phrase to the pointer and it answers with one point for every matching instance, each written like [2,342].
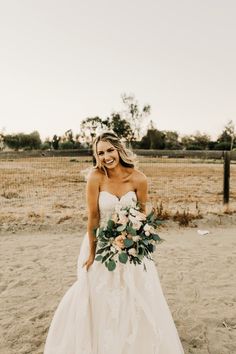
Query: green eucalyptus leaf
[100,232]
[123,257]
[151,248]
[128,242]
[110,224]
[140,251]
[106,257]
[111,265]
[131,231]
[156,237]
[98,258]
[101,250]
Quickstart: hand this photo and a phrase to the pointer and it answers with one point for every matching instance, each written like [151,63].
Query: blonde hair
[127,158]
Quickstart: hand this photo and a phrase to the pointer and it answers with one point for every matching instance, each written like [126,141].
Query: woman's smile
[109,162]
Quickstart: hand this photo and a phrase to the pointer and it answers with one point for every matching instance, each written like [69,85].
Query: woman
[119,312]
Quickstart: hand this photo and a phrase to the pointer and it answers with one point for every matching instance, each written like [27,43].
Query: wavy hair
[127,158]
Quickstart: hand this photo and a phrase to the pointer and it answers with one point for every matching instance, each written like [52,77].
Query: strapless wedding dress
[118,312]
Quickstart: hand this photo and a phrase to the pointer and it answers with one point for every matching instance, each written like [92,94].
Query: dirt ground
[42,223]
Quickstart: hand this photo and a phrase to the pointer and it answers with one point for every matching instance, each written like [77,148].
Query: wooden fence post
[226,177]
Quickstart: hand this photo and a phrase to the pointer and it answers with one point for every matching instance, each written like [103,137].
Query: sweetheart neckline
[119,198]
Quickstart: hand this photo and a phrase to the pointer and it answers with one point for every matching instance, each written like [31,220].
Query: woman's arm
[92,193]
[141,190]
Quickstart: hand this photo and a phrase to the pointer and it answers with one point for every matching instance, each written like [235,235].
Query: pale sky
[64,60]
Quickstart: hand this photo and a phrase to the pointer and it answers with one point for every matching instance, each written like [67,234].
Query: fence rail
[204,154]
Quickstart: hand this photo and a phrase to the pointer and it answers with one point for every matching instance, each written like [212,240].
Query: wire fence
[43,192]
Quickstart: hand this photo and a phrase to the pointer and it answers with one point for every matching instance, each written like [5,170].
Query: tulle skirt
[118,312]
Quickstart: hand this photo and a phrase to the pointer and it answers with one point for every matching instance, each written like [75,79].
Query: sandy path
[198,275]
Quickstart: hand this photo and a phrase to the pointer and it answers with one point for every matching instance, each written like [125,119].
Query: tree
[172,140]
[134,114]
[201,140]
[12,141]
[69,136]
[92,126]
[66,145]
[188,142]
[1,141]
[55,142]
[227,138]
[23,141]
[119,126]
[154,139]
[34,140]
[197,141]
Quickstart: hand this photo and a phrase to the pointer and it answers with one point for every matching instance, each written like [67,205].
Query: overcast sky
[64,60]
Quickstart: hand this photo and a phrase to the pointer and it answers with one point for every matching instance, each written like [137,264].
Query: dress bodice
[107,203]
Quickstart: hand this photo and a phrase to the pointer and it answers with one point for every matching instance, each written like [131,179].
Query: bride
[122,311]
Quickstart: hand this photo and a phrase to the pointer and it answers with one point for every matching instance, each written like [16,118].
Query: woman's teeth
[109,162]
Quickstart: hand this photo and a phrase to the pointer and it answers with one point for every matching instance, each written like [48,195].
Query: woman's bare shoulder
[139,176]
[95,176]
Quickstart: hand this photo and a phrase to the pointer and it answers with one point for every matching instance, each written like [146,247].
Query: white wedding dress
[113,312]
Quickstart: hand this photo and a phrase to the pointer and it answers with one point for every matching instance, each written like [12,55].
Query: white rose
[147,227]
[123,219]
[113,249]
[133,211]
[123,212]
[132,218]
[140,216]
[135,223]
[132,251]
[147,233]
[114,217]
[118,208]
[136,238]
[152,230]
[133,204]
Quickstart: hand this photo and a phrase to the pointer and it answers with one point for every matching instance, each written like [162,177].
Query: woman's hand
[89,261]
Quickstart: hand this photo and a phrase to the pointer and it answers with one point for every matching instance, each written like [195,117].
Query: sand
[197,273]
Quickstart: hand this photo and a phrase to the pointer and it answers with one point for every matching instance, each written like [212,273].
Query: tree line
[128,125]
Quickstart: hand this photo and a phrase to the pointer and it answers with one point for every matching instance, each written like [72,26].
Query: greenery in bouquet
[129,235]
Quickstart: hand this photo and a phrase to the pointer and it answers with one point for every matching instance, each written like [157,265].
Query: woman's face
[107,154]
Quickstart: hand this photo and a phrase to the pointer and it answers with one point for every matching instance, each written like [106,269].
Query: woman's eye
[100,153]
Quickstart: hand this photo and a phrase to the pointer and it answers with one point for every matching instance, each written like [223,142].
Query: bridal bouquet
[129,235]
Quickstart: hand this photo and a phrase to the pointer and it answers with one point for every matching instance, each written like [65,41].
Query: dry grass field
[42,222]
[48,194]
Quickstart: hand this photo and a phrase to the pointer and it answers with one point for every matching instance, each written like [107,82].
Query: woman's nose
[106,155]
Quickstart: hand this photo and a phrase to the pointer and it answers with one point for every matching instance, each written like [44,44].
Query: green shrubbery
[23,141]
